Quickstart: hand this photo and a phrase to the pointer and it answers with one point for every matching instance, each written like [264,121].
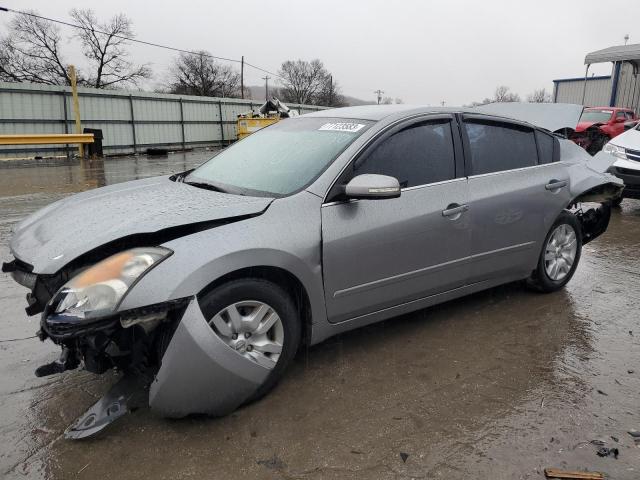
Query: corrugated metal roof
[618,53]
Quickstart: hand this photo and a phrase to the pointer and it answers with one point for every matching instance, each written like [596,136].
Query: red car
[598,125]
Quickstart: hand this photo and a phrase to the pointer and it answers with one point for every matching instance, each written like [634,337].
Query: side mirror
[372,187]
[620,120]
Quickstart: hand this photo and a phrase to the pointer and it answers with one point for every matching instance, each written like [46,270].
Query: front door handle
[454,210]
[555,184]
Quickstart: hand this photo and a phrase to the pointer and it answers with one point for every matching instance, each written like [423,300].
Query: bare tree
[481,102]
[106,52]
[199,74]
[539,96]
[398,101]
[502,94]
[386,101]
[31,52]
[302,80]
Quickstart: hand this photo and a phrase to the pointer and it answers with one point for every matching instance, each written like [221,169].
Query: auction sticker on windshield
[342,127]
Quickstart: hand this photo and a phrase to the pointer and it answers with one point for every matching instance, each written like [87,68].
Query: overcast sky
[424,52]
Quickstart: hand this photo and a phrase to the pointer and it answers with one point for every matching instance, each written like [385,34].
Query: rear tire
[560,255]
[259,291]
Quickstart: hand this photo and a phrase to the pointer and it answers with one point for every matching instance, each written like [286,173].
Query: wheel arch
[594,221]
[281,277]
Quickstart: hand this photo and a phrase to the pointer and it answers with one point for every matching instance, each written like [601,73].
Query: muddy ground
[498,385]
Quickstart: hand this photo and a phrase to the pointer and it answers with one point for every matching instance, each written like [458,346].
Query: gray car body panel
[286,236]
[64,230]
[359,261]
[401,240]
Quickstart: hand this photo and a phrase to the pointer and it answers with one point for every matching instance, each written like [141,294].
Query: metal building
[620,89]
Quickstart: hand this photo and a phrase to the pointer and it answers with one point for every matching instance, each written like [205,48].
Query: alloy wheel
[560,252]
[253,329]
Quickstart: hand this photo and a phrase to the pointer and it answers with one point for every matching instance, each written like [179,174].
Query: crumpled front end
[591,137]
[182,364]
[199,373]
[167,348]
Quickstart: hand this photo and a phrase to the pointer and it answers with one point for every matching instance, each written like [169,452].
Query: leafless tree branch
[31,52]
[106,52]
[539,96]
[199,74]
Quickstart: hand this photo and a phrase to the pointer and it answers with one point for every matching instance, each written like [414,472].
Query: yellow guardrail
[47,138]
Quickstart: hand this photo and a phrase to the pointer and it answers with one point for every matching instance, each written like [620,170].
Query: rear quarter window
[546,147]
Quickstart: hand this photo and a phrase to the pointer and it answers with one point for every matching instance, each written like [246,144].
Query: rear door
[382,253]
[516,190]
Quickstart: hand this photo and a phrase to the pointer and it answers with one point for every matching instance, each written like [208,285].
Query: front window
[280,159]
[417,155]
[596,116]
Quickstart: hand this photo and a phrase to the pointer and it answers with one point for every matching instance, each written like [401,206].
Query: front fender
[287,236]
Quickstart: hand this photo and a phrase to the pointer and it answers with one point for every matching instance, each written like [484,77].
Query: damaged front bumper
[196,373]
[169,355]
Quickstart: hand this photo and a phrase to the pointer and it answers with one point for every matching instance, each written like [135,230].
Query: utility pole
[379,93]
[626,38]
[242,78]
[76,105]
[266,87]
[442,103]
[330,91]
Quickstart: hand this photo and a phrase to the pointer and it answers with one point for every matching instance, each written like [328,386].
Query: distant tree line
[503,93]
[32,50]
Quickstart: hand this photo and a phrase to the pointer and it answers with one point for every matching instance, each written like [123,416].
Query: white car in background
[626,148]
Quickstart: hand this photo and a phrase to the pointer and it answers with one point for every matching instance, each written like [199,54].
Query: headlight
[615,150]
[98,291]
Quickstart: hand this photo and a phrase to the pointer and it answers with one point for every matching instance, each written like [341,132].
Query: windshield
[596,116]
[280,159]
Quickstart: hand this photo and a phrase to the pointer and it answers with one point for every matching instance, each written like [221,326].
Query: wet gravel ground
[498,385]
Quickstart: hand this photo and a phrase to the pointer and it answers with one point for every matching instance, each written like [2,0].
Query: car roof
[378,112]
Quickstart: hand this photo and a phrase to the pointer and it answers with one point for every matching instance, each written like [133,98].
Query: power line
[134,40]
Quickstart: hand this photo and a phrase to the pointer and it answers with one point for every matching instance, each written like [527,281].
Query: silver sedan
[203,285]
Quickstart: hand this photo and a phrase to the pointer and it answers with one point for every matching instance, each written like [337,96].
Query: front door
[382,253]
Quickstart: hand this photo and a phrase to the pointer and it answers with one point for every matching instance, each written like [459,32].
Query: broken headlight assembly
[98,291]
[615,150]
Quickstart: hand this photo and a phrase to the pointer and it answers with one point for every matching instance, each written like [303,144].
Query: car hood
[582,126]
[629,139]
[52,237]
[552,116]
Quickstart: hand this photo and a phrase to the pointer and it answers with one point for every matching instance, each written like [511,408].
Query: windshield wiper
[207,186]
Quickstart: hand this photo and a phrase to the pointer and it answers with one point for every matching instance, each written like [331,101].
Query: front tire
[560,255]
[259,320]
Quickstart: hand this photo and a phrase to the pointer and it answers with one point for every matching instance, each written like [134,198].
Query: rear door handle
[454,210]
[556,184]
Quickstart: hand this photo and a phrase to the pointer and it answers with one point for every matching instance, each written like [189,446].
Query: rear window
[496,147]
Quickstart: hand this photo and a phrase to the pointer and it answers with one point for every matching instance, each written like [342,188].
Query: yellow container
[248,125]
